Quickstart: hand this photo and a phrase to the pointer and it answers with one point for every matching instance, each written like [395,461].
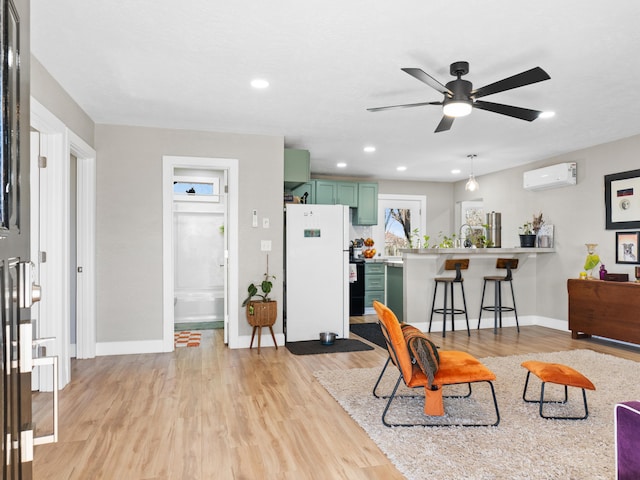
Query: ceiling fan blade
[428,79]
[406,105]
[520,80]
[511,111]
[445,124]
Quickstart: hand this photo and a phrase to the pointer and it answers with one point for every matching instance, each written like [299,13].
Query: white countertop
[475,251]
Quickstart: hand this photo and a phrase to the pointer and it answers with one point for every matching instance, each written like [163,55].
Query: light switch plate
[265,222]
[254,218]
[265,245]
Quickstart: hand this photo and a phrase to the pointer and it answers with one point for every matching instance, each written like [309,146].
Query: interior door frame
[58,143]
[230,167]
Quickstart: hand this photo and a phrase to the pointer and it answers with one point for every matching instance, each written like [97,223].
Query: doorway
[51,245]
[200,244]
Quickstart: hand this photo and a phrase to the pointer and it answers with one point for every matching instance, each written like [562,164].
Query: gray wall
[129,220]
[129,212]
[577,212]
[54,98]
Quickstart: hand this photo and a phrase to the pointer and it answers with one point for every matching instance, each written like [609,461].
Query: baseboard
[129,348]
[487,322]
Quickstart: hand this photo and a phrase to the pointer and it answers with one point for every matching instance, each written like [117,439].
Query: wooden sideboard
[605,309]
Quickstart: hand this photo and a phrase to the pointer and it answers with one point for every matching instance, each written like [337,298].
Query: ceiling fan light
[457,108]
[472,184]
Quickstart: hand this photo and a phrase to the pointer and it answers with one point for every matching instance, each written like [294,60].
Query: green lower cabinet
[395,291]
[374,280]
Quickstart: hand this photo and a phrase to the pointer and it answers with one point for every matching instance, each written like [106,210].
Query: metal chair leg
[497,310]
[433,304]
[515,312]
[452,424]
[542,401]
[464,303]
[484,286]
[444,314]
[375,387]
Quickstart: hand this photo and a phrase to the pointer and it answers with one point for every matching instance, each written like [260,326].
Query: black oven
[356,289]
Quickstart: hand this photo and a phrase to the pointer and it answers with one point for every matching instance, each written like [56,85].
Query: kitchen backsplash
[357,231]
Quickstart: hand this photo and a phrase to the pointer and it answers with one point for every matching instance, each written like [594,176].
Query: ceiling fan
[460,97]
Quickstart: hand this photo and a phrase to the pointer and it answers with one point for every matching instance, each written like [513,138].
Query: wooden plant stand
[262,314]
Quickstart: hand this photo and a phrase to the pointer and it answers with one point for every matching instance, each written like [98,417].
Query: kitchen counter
[421,266]
[395,263]
[475,251]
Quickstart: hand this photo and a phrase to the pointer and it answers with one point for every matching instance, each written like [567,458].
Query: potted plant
[476,237]
[527,237]
[261,310]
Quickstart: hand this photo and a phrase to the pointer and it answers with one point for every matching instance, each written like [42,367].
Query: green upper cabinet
[347,194]
[308,188]
[367,211]
[297,168]
[329,192]
[326,192]
[361,196]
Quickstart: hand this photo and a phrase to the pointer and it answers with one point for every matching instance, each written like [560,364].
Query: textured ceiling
[187,64]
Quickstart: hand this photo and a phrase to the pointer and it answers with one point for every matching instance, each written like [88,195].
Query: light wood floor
[215,413]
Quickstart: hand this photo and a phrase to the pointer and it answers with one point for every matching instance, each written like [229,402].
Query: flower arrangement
[537,222]
[532,227]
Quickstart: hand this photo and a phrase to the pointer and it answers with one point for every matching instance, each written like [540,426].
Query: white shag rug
[523,445]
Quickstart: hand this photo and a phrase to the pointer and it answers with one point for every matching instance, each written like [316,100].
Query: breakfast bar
[421,266]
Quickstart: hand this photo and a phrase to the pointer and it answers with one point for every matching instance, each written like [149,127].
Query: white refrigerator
[317,271]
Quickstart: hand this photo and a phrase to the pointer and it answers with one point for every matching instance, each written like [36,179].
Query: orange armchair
[451,368]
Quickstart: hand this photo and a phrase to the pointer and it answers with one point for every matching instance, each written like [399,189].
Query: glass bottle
[603,272]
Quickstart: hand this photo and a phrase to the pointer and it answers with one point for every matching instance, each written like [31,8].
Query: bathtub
[199,306]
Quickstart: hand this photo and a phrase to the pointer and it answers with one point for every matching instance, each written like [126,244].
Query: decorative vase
[527,241]
[592,259]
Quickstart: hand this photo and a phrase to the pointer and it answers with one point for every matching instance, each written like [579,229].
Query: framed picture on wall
[627,247]
[622,200]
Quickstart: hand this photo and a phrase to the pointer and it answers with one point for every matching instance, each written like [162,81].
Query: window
[401,222]
[196,189]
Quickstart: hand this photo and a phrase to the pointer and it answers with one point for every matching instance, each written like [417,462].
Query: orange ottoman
[560,375]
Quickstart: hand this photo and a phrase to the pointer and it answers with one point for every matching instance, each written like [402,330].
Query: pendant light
[472,184]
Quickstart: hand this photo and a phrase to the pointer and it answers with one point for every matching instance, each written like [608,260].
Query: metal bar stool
[458,265]
[497,308]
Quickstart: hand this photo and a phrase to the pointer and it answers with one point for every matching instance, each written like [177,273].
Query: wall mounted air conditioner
[553,176]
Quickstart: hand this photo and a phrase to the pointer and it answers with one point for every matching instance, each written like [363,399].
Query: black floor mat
[370,332]
[314,347]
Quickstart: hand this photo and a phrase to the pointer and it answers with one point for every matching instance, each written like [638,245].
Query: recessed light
[401,168]
[455,171]
[369,149]
[341,165]
[546,114]
[259,83]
